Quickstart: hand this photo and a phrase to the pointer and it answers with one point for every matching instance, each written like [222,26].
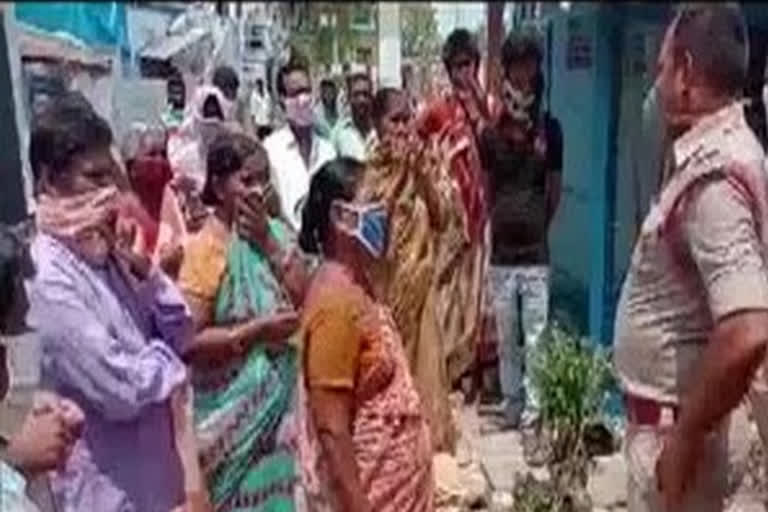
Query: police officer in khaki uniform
[692,323]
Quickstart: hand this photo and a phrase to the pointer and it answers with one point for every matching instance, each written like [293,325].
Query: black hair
[715,35]
[296,62]
[520,46]
[337,179]
[225,78]
[226,156]
[66,128]
[460,41]
[523,46]
[15,262]
[327,82]
[358,77]
[382,101]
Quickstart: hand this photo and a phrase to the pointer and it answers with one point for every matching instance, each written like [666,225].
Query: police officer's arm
[721,234]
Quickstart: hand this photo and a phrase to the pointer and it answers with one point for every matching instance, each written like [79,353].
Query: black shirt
[517,177]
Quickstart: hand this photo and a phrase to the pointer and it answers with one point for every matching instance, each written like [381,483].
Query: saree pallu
[464,247]
[244,408]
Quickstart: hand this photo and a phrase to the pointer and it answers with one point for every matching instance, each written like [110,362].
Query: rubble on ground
[483,473]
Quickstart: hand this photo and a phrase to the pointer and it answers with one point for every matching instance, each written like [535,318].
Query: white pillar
[19,102]
[389,44]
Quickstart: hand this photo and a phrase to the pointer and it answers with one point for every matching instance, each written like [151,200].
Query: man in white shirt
[261,109]
[295,151]
[327,111]
[352,135]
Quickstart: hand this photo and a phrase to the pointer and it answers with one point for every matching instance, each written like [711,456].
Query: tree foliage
[419,35]
[318,33]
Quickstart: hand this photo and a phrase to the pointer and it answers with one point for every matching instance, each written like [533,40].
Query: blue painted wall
[97,24]
[572,102]
[585,102]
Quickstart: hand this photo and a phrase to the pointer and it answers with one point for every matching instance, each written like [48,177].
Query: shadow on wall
[569,301]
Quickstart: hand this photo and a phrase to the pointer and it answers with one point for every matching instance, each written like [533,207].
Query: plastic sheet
[98,24]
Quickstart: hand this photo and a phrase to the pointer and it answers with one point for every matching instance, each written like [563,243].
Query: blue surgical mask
[368,223]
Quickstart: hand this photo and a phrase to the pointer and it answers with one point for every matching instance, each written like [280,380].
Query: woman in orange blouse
[373,444]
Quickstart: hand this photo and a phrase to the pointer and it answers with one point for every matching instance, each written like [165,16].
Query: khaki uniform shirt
[699,256]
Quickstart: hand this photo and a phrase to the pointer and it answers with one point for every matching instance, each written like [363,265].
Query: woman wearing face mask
[374,448]
[411,177]
[110,324]
[243,294]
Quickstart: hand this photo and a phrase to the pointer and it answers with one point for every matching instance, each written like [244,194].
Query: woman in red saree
[459,116]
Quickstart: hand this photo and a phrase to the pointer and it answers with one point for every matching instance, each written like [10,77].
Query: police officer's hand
[676,468]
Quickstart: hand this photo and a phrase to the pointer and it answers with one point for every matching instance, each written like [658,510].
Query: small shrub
[571,380]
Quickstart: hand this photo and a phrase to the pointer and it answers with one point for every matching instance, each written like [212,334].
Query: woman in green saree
[238,276]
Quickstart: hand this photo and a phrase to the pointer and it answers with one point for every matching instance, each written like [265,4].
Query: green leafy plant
[571,379]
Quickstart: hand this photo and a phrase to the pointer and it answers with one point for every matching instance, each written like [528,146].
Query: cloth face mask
[367,223]
[517,103]
[82,220]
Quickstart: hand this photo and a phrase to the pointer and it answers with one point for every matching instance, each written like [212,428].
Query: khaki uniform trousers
[642,448]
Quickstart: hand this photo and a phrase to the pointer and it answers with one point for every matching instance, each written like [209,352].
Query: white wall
[146,25]
[22,123]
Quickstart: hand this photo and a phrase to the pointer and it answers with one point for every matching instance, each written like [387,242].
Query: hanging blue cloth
[96,25]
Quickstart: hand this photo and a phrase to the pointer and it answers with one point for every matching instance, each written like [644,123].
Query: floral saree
[407,283]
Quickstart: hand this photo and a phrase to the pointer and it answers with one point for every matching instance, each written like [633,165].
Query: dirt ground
[482,474]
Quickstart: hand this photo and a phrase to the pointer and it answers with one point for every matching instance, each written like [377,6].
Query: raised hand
[43,443]
[251,217]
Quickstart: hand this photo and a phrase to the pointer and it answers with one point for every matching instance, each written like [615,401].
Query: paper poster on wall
[579,45]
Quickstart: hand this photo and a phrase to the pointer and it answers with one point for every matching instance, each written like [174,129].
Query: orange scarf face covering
[81,221]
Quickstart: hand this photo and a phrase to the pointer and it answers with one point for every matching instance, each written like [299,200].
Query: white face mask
[298,110]
[517,103]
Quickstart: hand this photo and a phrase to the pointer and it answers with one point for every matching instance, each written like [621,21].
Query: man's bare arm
[554,187]
[727,367]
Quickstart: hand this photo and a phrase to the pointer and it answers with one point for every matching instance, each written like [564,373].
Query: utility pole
[495,14]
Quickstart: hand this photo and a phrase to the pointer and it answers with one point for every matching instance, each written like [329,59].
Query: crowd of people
[271,318]
[259,317]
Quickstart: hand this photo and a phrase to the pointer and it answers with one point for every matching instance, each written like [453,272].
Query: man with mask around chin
[50,430]
[111,325]
[296,152]
[523,155]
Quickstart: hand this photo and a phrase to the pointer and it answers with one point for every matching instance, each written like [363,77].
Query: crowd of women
[224,359]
